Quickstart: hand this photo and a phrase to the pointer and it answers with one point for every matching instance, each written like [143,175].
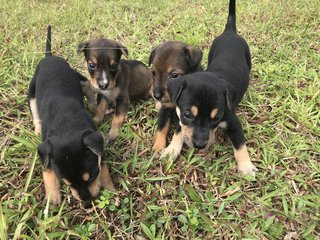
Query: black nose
[103,86]
[158,93]
[85,195]
[199,143]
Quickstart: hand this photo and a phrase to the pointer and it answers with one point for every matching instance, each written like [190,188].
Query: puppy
[117,81]
[207,100]
[71,148]
[169,61]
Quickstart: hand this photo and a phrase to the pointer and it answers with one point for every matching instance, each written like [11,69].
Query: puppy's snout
[200,139]
[158,93]
[103,84]
[199,143]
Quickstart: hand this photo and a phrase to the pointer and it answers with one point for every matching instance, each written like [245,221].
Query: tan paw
[247,168]
[158,146]
[171,152]
[113,134]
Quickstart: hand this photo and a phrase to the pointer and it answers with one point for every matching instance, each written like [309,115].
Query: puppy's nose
[158,93]
[103,85]
[199,143]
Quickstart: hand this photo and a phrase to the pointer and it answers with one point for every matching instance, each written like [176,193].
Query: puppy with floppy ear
[208,100]
[170,60]
[71,148]
[116,81]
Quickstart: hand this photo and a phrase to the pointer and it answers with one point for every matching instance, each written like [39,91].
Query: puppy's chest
[111,94]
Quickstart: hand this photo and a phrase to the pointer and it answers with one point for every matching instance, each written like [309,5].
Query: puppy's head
[203,104]
[170,60]
[76,160]
[103,58]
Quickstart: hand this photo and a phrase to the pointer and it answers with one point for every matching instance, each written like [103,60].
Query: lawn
[200,195]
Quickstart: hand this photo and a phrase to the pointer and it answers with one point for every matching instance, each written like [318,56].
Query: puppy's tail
[231,23]
[48,43]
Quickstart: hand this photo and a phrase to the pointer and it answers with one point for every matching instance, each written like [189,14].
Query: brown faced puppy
[207,100]
[71,148]
[118,81]
[170,60]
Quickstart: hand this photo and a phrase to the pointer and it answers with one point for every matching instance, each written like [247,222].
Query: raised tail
[231,23]
[48,43]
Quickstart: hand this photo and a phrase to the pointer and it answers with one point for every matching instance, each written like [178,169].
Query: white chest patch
[223,124]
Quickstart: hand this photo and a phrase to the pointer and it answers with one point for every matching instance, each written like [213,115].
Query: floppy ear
[151,57]
[45,152]
[175,88]
[194,55]
[82,46]
[93,140]
[230,95]
[123,50]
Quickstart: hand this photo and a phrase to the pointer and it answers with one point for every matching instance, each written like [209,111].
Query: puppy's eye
[187,115]
[113,67]
[92,66]
[174,75]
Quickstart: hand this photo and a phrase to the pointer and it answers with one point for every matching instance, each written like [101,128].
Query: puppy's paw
[96,119]
[109,111]
[37,131]
[170,152]
[113,134]
[159,145]
[54,198]
[247,168]
[105,179]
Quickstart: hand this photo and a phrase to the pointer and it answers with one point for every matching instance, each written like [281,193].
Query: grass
[200,195]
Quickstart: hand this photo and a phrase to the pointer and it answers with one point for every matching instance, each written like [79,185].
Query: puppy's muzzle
[200,140]
[158,93]
[103,84]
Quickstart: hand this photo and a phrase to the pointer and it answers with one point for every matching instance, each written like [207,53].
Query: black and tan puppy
[71,148]
[208,100]
[169,61]
[117,81]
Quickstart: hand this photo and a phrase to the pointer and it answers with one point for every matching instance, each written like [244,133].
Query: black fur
[70,141]
[221,87]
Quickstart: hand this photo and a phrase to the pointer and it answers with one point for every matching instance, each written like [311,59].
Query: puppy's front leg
[174,148]
[101,110]
[164,119]
[122,106]
[241,155]
[52,186]
[105,179]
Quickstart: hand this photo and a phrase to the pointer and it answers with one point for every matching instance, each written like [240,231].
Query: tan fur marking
[95,187]
[100,110]
[174,148]
[105,178]
[194,111]
[213,113]
[187,134]
[66,181]
[52,186]
[161,140]
[75,194]
[85,176]
[244,163]
[117,123]
[35,116]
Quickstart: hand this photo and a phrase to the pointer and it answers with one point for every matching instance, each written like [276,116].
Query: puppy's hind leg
[35,116]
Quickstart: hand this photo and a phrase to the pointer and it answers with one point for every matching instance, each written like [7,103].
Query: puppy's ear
[45,153]
[123,50]
[82,46]
[230,95]
[194,55]
[175,88]
[151,57]
[94,141]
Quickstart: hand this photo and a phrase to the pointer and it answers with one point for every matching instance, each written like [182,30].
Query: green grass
[200,195]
